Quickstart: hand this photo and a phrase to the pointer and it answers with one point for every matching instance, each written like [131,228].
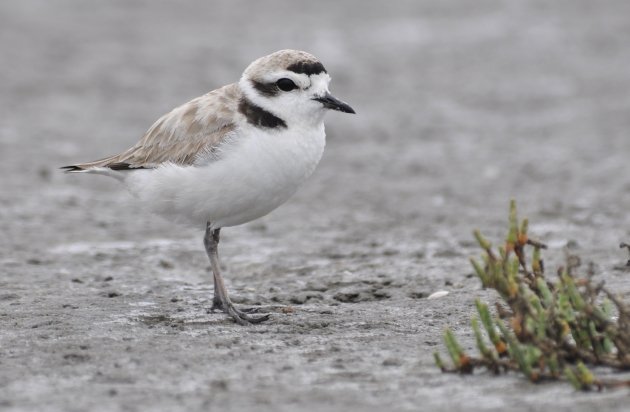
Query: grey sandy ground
[461,105]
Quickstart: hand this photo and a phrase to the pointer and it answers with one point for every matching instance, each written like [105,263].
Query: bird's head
[292,85]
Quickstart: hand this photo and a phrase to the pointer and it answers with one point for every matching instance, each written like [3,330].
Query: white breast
[256,172]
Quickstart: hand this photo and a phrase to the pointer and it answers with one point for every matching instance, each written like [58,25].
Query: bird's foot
[241,316]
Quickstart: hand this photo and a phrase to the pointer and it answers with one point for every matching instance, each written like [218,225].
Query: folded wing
[182,136]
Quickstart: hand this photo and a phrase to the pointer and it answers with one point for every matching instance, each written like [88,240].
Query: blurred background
[460,106]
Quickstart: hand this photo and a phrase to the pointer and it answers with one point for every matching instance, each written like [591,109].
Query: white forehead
[319,81]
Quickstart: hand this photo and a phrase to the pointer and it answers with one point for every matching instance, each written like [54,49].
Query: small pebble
[438,294]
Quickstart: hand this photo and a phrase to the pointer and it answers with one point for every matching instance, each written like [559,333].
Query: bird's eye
[286,85]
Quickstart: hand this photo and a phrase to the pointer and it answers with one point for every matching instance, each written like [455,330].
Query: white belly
[255,174]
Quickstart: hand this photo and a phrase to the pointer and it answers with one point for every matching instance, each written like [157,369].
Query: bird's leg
[216,300]
[217,304]
[221,299]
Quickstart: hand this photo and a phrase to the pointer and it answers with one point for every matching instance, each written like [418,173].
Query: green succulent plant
[545,330]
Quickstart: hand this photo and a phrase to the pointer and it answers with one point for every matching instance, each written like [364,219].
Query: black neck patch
[258,116]
[307,67]
[266,89]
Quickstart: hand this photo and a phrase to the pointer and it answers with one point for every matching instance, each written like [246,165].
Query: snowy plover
[232,155]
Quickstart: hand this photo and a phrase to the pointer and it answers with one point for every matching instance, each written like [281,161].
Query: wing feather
[179,136]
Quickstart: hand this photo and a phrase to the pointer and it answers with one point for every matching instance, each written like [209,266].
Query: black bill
[331,102]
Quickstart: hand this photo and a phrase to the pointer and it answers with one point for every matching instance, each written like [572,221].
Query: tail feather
[82,167]
[108,167]
[86,167]
[73,168]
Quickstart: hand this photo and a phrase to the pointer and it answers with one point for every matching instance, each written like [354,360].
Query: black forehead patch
[307,67]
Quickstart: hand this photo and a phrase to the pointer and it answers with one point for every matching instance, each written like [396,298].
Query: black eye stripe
[266,89]
[272,89]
